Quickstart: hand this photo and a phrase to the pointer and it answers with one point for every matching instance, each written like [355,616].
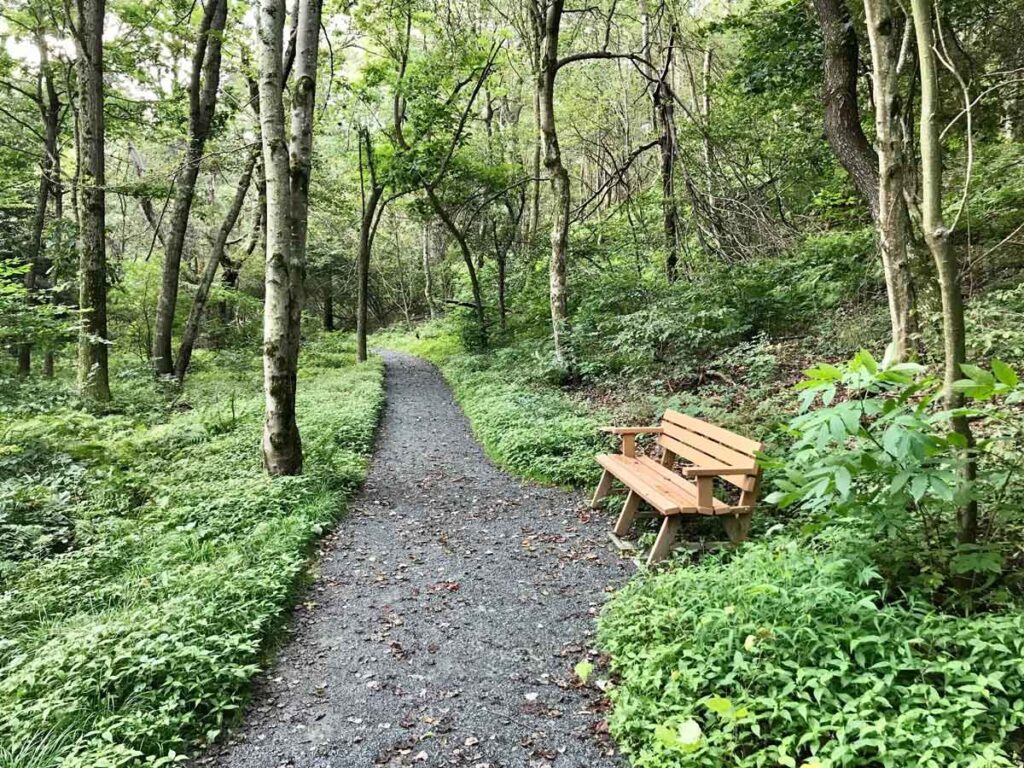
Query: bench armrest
[630,430]
[628,435]
[717,471]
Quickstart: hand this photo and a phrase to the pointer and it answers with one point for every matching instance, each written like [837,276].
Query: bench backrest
[707,445]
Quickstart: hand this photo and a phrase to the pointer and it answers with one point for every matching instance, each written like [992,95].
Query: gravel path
[450,608]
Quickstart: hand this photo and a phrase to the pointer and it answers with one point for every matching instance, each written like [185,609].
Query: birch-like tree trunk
[894,230]
[282,446]
[203,85]
[936,235]
[561,330]
[195,315]
[287,170]
[93,378]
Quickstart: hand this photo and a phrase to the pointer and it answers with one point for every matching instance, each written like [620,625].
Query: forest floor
[449,611]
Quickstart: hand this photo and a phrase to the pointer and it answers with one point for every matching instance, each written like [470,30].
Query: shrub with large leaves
[878,454]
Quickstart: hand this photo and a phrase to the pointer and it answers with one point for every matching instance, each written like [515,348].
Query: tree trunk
[49,182]
[937,237]
[205,80]
[467,257]
[894,230]
[561,330]
[846,137]
[328,313]
[195,315]
[285,236]
[664,116]
[93,378]
[533,221]
[428,280]
[839,95]
[363,266]
[34,256]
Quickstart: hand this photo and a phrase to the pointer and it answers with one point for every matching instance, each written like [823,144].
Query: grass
[138,642]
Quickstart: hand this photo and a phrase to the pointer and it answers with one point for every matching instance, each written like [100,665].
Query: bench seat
[659,486]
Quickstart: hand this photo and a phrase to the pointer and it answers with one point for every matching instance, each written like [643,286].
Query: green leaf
[583,670]
[977,375]
[863,359]
[719,705]
[1004,373]
[843,480]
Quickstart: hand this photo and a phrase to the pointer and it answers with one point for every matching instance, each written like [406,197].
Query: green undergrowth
[788,655]
[156,559]
[531,429]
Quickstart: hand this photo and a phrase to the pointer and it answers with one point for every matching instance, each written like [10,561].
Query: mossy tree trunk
[93,377]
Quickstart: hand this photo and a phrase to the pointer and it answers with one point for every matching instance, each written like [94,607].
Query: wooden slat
[688,489]
[723,453]
[743,482]
[654,491]
[724,436]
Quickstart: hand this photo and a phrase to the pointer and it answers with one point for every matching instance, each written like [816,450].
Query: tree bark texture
[850,145]
[895,237]
[561,330]
[93,378]
[282,443]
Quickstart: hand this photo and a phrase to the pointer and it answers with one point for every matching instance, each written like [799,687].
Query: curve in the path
[451,606]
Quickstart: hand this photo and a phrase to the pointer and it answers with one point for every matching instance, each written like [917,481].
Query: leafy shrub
[787,656]
[879,455]
[139,641]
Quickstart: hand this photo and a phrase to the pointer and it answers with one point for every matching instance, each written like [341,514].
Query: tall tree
[937,236]
[287,182]
[549,21]
[664,116]
[371,189]
[202,99]
[47,100]
[93,377]
[851,146]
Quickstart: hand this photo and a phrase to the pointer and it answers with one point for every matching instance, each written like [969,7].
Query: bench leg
[666,538]
[628,513]
[602,488]
[737,527]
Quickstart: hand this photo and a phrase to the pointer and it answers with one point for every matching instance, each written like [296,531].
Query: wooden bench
[711,452]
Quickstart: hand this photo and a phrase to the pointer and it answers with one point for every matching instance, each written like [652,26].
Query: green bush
[878,455]
[139,641]
[787,656]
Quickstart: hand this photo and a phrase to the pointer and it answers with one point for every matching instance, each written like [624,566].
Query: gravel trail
[450,607]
